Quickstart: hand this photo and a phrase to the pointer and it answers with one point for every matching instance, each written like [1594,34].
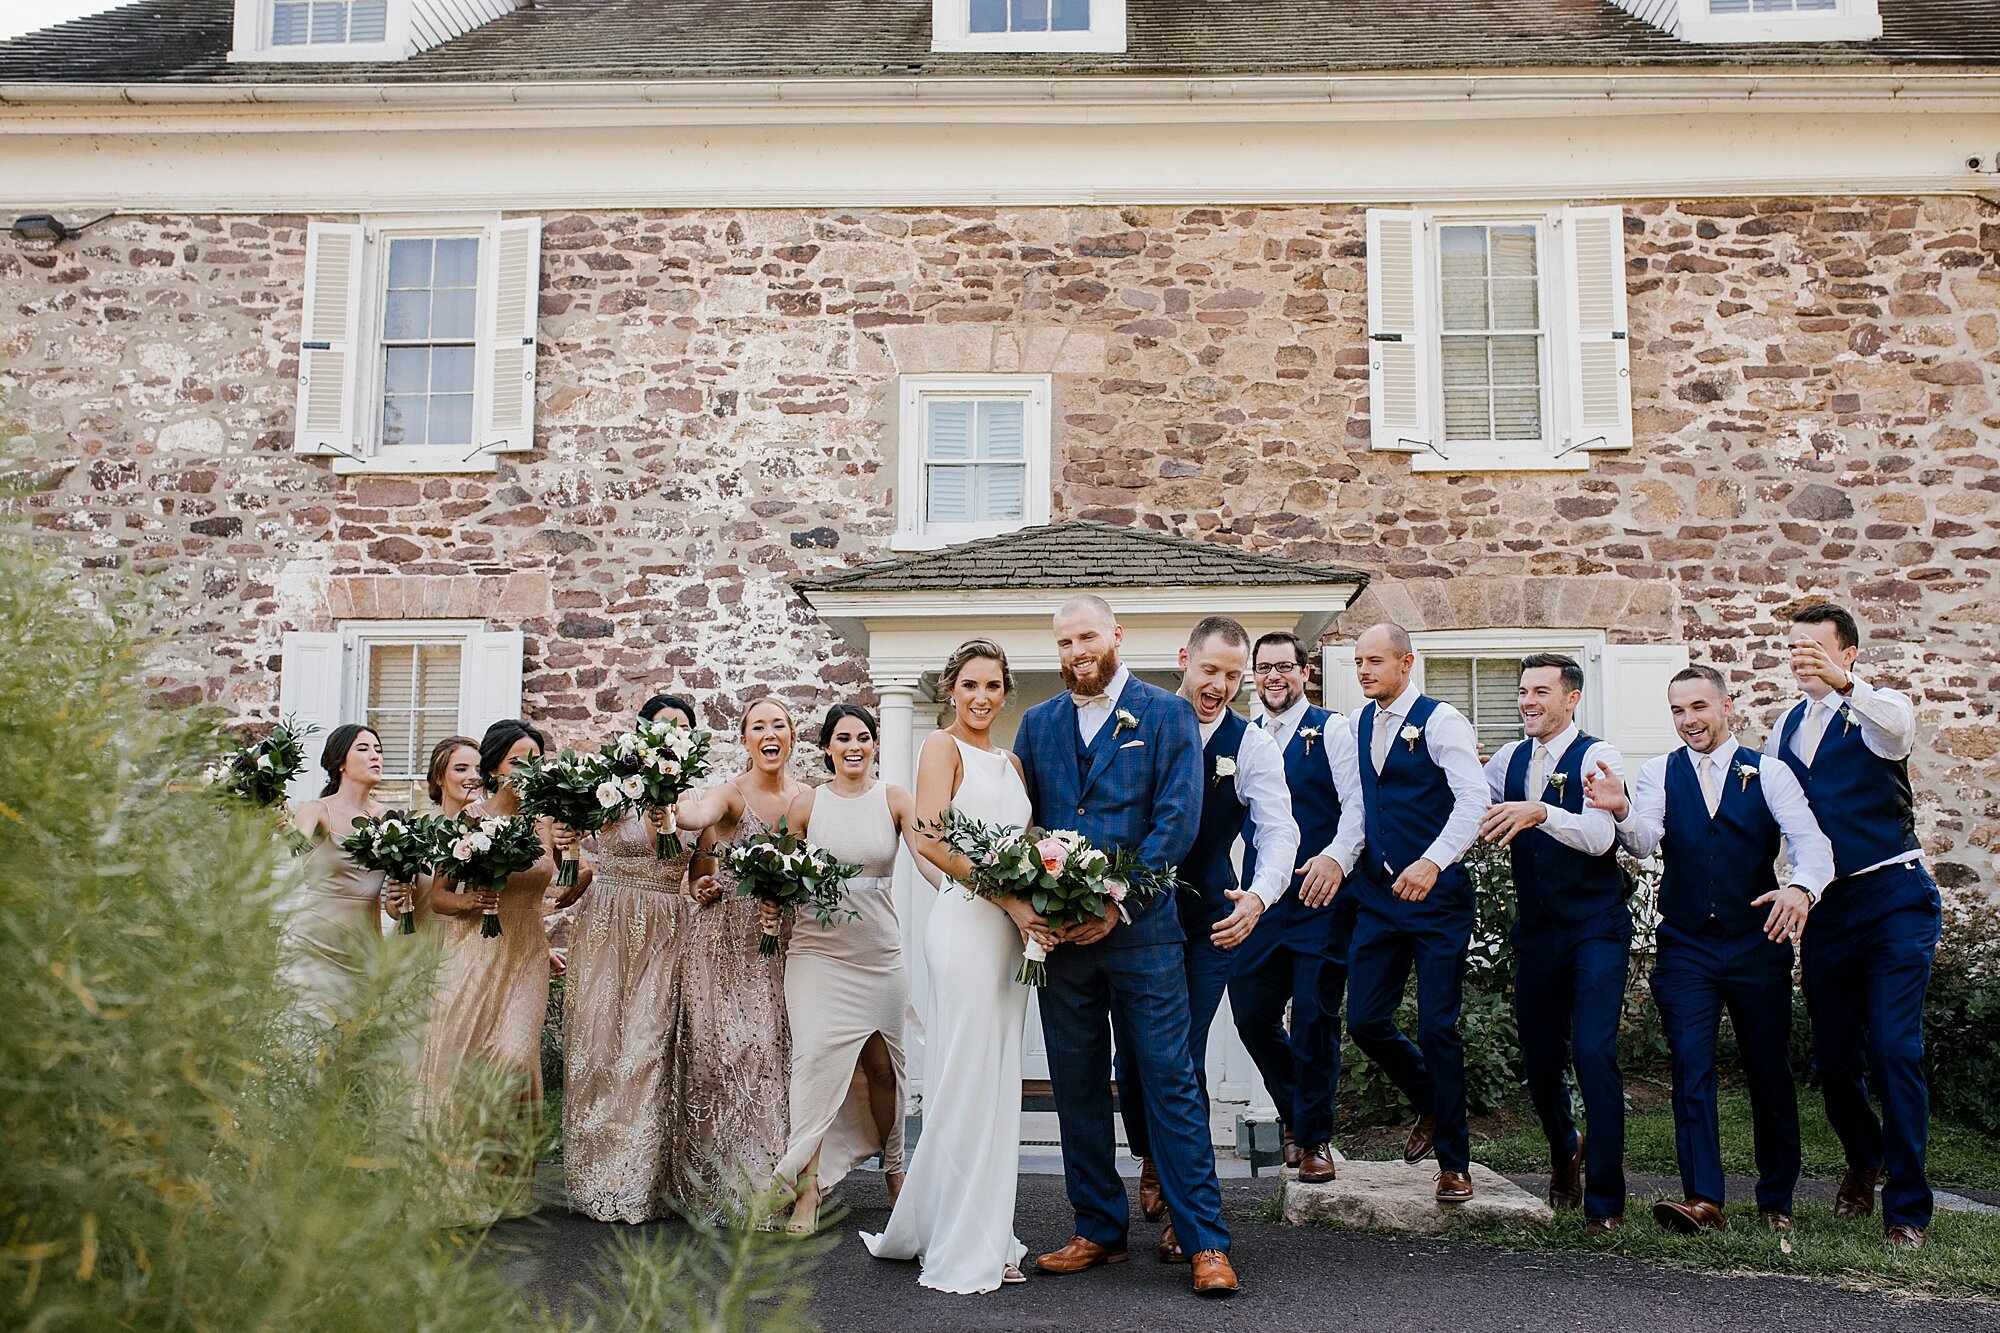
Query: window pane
[950,433]
[1029,16]
[989,16]
[1517,414]
[451,370]
[405,370]
[457,262]
[1071,16]
[329,21]
[948,496]
[412,702]
[451,419]
[1001,427]
[403,420]
[451,314]
[1485,689]
[1728,6]
[407,315]
[289,24]
[410,263]
[1450,679]
[1002,492]
[1513,251]
[368,21]
[1516,303]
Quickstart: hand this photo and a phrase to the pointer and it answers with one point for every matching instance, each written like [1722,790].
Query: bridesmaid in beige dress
[339,926]
[731,1052]
[846,989]
[493,995]
[453,782]
[620,1020]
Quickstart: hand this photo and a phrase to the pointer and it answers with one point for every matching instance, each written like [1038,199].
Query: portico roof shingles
[1080,554]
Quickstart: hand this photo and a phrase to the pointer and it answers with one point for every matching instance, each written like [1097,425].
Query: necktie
[1811,729]
[1538,771]
[1711,782]
[1385,732]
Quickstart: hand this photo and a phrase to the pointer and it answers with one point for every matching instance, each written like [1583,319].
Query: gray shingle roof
[187,41]
[1080,554]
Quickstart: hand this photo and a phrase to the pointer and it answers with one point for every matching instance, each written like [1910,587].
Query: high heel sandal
[807,1225]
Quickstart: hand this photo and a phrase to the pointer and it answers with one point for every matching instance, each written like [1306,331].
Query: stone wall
[1814,388]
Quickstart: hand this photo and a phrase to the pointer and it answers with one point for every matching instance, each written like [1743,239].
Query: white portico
[907,615]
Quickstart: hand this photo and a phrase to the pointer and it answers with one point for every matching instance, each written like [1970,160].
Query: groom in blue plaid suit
[1119,761]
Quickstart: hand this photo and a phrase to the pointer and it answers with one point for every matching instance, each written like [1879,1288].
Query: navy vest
[1559,887]
[1405,806]
[1717,866]
[1862,801]
[1315,800]
[1208,873]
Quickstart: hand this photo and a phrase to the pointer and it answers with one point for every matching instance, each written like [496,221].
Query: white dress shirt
[1591,832]
[1888,722]
[1260,785]
[1336,742]
[1453,746]
[1091,720]
[1280,726]
[1806,847]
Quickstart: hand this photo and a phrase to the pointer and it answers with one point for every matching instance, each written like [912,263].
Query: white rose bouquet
[565,789]
[781,868]
[482,853]
[401,846]
[654,765]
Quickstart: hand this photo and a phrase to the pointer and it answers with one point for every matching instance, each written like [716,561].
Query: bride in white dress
[956,1211]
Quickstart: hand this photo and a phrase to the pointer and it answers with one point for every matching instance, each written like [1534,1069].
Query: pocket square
[1130,744]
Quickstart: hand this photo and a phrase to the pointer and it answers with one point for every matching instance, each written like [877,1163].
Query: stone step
[1395,1196]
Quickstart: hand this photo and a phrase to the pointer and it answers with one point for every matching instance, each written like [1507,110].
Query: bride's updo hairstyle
[975,650]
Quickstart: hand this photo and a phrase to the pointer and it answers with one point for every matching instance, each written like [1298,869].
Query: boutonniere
[1125,722]
[1309,735]
[1846,718]
[1412,735]
[1746,772]
[1225,767]
[1558,781]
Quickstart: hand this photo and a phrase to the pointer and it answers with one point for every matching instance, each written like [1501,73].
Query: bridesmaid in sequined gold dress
[732,1051]
[621,1012]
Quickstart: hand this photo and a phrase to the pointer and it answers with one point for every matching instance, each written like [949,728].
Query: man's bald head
[1086,606]
[1394,637]
[1383,660]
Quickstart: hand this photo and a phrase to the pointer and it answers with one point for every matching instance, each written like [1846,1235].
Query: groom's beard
[1090,677]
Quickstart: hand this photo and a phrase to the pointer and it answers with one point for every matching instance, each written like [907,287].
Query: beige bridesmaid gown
[844,983]
[338,928]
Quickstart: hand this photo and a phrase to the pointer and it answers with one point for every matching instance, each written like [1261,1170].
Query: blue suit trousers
[1569,990]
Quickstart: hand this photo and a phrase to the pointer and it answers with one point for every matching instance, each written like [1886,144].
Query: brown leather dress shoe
[1152,1205]
[1423,1137]
[1454,1187]
[1903,1236]
[1080,1256]
[1212,1274]
[1777,1221]
[1170,1245]
[1566,1181]
[1601,1226]
[1690,1218]
[1293,1153]
[1316,1167]
[1856,1197]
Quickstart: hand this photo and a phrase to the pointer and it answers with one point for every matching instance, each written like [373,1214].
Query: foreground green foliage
[187,1145]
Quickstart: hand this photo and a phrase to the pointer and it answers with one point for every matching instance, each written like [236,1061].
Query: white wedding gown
[956,1211]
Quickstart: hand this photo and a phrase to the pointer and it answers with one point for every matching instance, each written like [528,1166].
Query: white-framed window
[974,457]
[321,30]
[1478,672]
[1722,21]
[415,682]
[1027,25]
[1497,338]
[417,351]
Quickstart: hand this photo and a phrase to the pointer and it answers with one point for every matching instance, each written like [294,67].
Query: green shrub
[1962,1016]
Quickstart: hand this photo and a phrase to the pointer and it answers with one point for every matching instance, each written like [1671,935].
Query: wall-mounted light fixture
[48,227]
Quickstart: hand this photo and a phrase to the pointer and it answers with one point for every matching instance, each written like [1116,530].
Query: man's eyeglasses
[1276,668]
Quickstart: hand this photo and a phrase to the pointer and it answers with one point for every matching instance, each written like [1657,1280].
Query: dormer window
[328,22]
[1729,22]
[1027,25]
[362,31]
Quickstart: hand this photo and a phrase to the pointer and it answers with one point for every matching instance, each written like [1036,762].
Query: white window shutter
[1399,332]
[489,681]
[1598,379]
[1633,690]
[511,298]
[1338,687]
[331,342]
[309,691]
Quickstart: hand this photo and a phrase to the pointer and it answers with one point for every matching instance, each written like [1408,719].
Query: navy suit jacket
[1141,789]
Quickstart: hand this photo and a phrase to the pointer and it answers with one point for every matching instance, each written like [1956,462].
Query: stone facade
[1814,390]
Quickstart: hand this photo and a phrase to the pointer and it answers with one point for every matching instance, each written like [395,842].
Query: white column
[898,695]
[898,764]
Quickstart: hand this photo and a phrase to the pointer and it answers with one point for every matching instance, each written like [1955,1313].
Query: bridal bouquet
[656,763]
[482,853]
[401,846]
[568,789]
[779,867]
[261,771]
[1066,880]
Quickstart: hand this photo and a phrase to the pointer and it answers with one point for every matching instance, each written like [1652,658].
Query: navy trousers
[1207,977]
[1301,961]
[1864,982]
[1145,985]
[1430,1071]
[1698,975]
[1569,990]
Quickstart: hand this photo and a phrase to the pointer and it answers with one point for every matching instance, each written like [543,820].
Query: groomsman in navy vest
[1865,961]
[1717,812]
[1572,934]
[1423,797]
[1297,955]
[1243,777]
